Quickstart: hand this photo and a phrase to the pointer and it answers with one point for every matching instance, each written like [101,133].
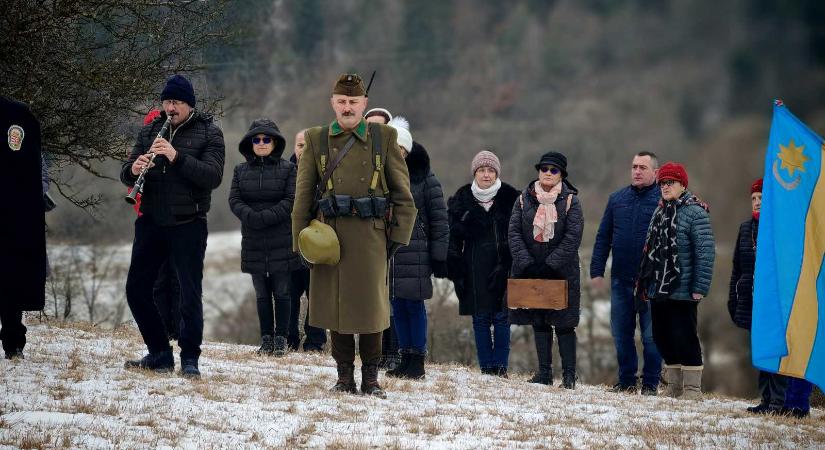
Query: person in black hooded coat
[22,229]
[263,190]
[479,258]
[412,266]
[549,250]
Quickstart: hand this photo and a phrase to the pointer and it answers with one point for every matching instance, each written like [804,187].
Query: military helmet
[319,244]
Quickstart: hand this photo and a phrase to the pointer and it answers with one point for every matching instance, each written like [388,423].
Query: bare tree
[86,67]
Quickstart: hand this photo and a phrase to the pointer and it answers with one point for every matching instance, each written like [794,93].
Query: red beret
[756,186]
[673,171]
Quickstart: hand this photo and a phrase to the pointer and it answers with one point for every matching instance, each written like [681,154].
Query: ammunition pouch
[346,206]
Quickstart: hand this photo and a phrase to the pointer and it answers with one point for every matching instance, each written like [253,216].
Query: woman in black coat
[772,386]
[263,190]
[479,258]
[412,267]
[545,234]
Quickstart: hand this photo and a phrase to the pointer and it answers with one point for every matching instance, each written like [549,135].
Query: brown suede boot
[369,381]
[346,379]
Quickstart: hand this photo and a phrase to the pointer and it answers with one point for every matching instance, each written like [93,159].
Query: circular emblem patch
[16,135]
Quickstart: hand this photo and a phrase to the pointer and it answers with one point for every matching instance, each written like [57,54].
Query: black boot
[279,346]
[267,346]
[401,368]
[346,379]
[567,351]
[369,381]
[415,368]
[189,369]
[544,351]
[161,362]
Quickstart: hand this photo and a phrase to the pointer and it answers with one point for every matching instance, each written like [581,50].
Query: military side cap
[319,244]
[349,84]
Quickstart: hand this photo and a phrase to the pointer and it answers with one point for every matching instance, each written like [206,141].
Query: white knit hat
[379,111]
[403,127]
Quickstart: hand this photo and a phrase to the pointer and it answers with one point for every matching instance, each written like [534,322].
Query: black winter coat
[263,190]
[179,191]
[479,256]
[411,267]
[557,259]
[740,299]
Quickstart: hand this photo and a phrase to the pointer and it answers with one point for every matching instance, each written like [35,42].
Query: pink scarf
[546,216]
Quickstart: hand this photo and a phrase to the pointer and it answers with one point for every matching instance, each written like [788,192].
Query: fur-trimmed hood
[418,163]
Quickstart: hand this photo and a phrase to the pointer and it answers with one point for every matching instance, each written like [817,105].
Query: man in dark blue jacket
[623,229]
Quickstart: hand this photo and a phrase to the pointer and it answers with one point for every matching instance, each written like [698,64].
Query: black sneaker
[539,378]
[267,346]
[499,372]
[15,354]
[796,413]
[650,390]
[761,408]
[279,346]
[189,369]
[160,362]
[619,388]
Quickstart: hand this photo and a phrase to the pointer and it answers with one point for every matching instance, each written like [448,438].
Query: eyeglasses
[553,170]
[667,183]
[172,102]
[265,140]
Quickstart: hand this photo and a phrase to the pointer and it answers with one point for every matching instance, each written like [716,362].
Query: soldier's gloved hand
[392,248]
[439,268]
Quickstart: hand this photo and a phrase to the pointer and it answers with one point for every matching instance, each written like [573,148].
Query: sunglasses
[265,140]
[551,169]
[667,182]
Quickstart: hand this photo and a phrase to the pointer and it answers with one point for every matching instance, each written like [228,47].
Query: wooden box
[537,294]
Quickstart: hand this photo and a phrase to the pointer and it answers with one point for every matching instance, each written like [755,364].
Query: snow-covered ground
[72,392]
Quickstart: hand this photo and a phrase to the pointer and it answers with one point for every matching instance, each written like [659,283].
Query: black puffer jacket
[740,299]
[557,259]
[178,192]
[263,190]
[411,267]
[479,256]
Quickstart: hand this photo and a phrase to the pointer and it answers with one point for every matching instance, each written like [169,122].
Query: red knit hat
[150,116]
[673,171]
[756,186]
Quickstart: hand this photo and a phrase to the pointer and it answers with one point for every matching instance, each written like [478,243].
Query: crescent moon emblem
[787,186]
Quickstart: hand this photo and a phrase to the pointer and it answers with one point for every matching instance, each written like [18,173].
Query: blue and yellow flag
[788,330]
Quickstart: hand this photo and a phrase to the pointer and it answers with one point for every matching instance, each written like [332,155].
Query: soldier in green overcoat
[367,201]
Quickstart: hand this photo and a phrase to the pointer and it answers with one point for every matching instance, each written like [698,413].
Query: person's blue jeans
[623,327]
[492,346]
[409,317]
[798,394]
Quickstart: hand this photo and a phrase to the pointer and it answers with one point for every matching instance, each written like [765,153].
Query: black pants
[166,294]
[674,331]
[267,287]
[12,330]
[184,245]
[315,337]
[389,342]
[772,387]
[343,347]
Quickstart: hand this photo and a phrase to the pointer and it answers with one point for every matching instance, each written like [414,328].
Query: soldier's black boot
[544,352]
[346,379]
[369,381]
[161,362]
[567,351]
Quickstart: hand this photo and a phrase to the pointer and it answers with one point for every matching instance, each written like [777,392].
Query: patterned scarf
[659,271]
[544,224]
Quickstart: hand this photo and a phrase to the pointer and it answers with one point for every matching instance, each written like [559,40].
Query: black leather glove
[439,268]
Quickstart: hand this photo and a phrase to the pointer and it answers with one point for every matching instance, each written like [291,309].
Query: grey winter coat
[262,193]
[557,259]
[411,268]
[697,250]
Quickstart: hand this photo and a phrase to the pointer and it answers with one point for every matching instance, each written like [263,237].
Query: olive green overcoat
[351,297]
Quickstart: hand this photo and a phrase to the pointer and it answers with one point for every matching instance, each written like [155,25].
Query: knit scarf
[485,197]
[544,224]
[659,271]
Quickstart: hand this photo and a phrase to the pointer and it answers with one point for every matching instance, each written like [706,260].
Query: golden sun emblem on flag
[793,159]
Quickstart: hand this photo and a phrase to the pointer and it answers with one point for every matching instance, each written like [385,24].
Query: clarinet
[138,189]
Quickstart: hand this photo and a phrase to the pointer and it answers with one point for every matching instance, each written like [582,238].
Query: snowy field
[72,392]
